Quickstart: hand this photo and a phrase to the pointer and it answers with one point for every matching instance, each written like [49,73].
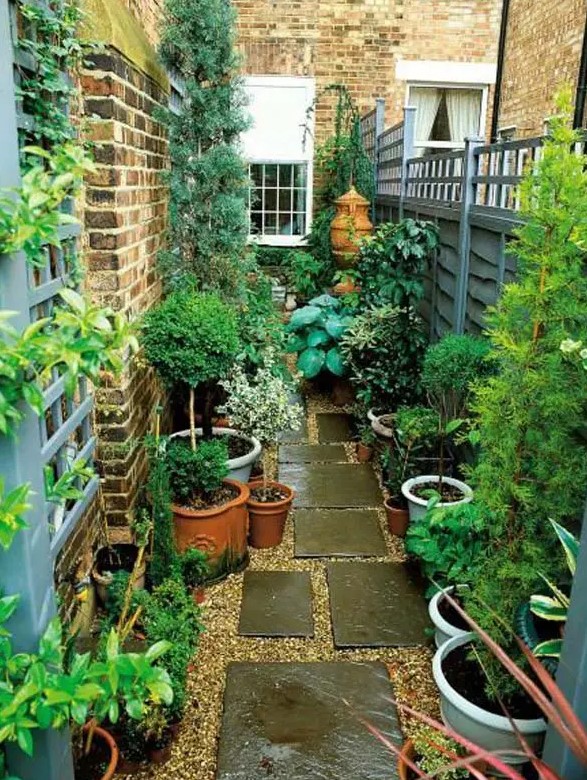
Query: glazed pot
[238,468]
[407,754]
[109,741]
[221,532]
[380,427]
[486,729]
[417,505]
[364,452]
[267,520]
[114,558]
[398,517]
[443,629]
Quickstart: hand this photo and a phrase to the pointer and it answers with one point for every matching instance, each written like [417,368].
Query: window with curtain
[445,116]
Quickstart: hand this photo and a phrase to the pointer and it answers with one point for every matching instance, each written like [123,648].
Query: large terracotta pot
[350,224]
[407,754]
[106,737]
[220,531]
[267,520]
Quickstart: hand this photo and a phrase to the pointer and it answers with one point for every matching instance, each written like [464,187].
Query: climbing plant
[208,220]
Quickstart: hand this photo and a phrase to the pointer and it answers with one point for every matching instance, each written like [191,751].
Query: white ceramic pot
[238,468]
[417,505]
[489,731]
[443,629]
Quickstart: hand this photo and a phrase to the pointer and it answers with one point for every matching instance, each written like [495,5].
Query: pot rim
[233,463]
[436,617]
[273,504]
[388,505]
[407,751]
[433,478]
[473,711]
[107,737]
[242,497]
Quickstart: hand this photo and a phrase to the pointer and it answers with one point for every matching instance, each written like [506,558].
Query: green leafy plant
[434,752]
[194,567]
[383,349]
[14,504]
[555,606]
[208,221]
[450,543]
[391,263]
[260,326]
[308,275]
[533,463]
[315,333]
[195,475]
[415,444]
[68,487]
[164,557]
[191,339]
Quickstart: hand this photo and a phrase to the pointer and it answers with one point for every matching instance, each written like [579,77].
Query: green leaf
[336,326]
[334,362]
[25,741]
[158,649]
[311,361]
[551,648]
[304,316]
[134,708]
[325,302]
[570,545]
[317,337]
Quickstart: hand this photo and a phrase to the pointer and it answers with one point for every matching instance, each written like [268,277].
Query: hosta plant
[315,332]
[555,606]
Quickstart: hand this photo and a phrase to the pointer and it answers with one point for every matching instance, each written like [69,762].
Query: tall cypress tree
[208,220]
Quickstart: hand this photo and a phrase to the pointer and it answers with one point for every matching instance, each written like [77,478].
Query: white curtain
[464,112]
[426,100]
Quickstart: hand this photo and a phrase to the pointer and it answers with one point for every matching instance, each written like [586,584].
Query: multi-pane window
[278,199]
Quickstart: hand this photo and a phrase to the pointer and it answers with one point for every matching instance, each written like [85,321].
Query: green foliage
[315,334]
[194,567]
[450,368]
[383,349]
[275,256]
[171,612]
[191,338]
[14,504]
[196,474]
[308,275]
[208,179]
[69,486]
[533,464]
[415,444]
[434,751]
[164,558]
[116,595]
[391,263]
[450,544]
[260,327]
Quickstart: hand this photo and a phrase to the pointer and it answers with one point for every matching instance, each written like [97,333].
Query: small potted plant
[191,339]
[195,570]
[430,751]
[262,407]
[365,445]
[157,734]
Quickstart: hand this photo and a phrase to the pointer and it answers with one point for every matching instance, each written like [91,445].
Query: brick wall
[358,42]
[126,203]
[543,51]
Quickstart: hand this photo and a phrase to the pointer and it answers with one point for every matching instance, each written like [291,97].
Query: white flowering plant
[260,405]
[574,348]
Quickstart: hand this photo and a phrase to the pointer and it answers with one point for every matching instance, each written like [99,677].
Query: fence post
[470,164]
[408,151]
[26,569]
[378,130]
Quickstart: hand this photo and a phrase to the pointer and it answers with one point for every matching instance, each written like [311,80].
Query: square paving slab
[288,721]
[276,603]
[333,428]
[334,533]
[335,485]
[312,453]
[376,605]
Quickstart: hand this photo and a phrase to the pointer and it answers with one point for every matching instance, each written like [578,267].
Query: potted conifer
[261,406]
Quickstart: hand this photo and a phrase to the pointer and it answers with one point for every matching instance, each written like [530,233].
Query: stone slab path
[338,533]
[294,720]
[287,721]
[276,603]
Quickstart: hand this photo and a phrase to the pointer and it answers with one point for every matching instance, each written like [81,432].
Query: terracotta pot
[398,518]
[350,224]
[364,452]
[105,736]
[160,755]
[102,573]
[126,767]
[343,393]
[267,520]
[199,595]
[174,729]
[407,754]
[221,532]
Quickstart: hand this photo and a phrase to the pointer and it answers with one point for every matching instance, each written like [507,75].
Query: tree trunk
[208,411]
[192,420]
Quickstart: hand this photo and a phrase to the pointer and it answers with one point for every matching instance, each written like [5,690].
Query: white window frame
[448,145]
[288,82]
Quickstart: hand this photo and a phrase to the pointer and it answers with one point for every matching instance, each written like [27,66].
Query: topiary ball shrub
[196,474]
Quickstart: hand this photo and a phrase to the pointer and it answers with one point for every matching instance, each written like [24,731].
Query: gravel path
[194,753]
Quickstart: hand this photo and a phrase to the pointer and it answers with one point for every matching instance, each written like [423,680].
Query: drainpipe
[579,116]
[500,63]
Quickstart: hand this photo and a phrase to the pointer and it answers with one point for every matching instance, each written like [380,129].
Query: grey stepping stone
[333,428]
[376,605]
[300,435]
[306,721]
[338,533]
[338,485]
[276,603]
[312,453]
